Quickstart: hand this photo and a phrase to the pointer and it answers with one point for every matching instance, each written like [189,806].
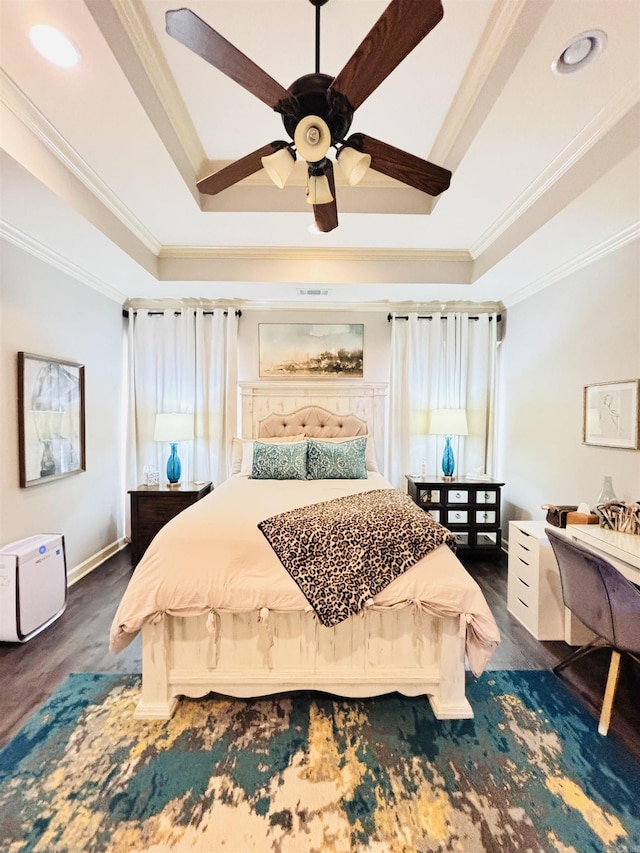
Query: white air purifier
[33,586]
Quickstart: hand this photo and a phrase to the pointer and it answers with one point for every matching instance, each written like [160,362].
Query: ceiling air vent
[313,291]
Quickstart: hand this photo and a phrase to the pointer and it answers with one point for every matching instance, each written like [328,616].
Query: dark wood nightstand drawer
[160,510]
[153,506]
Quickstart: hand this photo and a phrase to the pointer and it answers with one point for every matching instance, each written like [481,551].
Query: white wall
[44,311]
[581,330]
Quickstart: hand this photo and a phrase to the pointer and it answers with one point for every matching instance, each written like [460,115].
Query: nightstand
[469,508]
[153,506]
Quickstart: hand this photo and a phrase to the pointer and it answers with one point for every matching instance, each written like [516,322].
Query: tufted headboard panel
[314,421]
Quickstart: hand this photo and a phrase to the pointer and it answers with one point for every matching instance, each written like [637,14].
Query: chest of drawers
[469,508]
[534,594]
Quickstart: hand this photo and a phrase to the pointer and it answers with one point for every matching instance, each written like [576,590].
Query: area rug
[307,773]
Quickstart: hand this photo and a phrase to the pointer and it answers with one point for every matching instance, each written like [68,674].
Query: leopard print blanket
[342,552]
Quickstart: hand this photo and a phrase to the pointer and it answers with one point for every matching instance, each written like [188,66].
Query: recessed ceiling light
[579,52]
[54,45]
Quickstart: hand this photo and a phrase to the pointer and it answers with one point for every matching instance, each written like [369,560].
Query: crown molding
[593,254]
[55,259]
[30,116]
[599,126]
[504,18]
[293,253]
[136,24]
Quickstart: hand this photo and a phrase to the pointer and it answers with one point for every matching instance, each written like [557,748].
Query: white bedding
[213,557]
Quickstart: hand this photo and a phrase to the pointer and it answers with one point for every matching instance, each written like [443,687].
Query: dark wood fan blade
[326,215]
[400,28]
[234,172]
[194,33]
[403,166]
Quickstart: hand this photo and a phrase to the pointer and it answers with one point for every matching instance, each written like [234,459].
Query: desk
[622,550]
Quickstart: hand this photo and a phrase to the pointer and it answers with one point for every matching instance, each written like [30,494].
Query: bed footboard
[248,654]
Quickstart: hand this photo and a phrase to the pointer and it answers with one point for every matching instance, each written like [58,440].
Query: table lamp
[173,427]
[448,422]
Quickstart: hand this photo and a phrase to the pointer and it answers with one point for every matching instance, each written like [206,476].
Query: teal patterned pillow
[279,461]
[340,460]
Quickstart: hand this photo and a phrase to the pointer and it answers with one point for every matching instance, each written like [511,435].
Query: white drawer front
[527,571]
[458,497]
[490,496]
[462,538]
[435,514]
[522,543]
[523,611]
[457,516]
[485,516]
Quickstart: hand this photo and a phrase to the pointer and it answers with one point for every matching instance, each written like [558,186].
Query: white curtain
[444,361]
[182,361]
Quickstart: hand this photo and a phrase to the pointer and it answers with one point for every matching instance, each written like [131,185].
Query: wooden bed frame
[405,649]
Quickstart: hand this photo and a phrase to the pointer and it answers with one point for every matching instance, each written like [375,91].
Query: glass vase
[606,492]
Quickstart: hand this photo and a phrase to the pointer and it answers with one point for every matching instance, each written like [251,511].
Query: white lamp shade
[312,138]
[279,166]
[318,190]
[448,422]
[173,426]
[353,164]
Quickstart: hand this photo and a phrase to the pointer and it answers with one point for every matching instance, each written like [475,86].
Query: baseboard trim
[85,568]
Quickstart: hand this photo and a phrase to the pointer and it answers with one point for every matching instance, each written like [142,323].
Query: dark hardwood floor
[78,642]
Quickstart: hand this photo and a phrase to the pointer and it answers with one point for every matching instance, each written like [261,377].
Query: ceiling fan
[317,109]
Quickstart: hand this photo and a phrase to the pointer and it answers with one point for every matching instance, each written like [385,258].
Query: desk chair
[606,602]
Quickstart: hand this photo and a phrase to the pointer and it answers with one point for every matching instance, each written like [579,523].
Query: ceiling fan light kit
[353,164]
[312,138]
[318,190]
[317,109]
[279,165]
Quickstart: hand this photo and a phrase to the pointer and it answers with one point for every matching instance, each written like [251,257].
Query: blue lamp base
[448,461]
[174,466]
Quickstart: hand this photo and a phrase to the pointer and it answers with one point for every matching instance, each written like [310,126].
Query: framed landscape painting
[611,414]
[51,440]
[311,350]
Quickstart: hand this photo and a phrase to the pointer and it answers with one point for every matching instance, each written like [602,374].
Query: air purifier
[33,586]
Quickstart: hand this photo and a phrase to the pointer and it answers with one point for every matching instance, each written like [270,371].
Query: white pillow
[370,452]
[238,445]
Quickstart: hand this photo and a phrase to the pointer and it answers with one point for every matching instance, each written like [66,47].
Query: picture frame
[611,414]
[311,350]
[51,418]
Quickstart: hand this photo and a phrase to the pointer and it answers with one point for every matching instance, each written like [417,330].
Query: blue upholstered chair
[606,602]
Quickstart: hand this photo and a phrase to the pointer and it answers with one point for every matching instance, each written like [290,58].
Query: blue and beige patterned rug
[306,773]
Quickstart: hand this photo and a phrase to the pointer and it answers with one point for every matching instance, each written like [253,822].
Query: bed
[219,613]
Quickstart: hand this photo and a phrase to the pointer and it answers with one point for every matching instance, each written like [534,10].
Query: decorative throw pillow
[279,461]
[337,460]
[370,452]
[242,451]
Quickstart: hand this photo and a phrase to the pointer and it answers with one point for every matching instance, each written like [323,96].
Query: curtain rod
[391,317]
[125,313]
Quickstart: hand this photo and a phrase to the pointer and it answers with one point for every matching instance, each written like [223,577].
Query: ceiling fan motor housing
[309,97]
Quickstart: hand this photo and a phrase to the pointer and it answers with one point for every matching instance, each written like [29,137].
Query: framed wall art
[611,417]
[51,416]
[311,350]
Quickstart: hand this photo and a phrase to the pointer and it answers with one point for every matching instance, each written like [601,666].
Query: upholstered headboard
[314,421]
